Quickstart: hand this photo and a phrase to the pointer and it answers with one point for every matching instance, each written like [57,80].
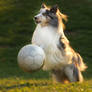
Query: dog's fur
[66,64]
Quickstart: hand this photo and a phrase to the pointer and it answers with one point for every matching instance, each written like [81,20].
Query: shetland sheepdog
[64,63]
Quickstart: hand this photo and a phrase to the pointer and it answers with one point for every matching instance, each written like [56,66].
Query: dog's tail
[79,63]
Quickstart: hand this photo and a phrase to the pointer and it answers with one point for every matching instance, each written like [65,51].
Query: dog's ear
[54,9]
[43,5]
[65,17]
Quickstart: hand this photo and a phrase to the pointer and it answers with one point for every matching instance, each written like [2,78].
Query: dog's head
[49,15]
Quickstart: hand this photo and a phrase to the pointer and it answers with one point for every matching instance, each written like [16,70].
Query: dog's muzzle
[37,19]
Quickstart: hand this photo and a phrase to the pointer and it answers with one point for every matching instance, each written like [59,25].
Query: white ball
[31,58]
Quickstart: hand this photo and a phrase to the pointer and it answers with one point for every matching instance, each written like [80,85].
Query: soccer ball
[31,58]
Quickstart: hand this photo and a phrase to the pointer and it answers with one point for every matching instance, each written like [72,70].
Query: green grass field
[16,28]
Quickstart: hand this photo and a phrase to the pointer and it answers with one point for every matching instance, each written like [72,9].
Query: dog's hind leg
[73,73]
[69,73]
[59,76]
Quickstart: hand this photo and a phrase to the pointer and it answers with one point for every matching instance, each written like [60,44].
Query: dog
[65,64]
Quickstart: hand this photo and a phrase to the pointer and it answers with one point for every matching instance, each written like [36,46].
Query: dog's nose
[35,17]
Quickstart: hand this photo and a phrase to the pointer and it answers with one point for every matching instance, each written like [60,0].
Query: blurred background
[17,27]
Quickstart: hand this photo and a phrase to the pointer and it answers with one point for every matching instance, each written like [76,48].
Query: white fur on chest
[44,36]
[48,38]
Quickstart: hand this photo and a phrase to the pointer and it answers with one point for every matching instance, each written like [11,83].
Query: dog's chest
[48,39]
[45,37]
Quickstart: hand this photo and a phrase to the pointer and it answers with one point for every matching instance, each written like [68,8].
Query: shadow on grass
[24,85]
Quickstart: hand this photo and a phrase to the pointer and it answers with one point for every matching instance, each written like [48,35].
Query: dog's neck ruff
[45,36]
[48,38]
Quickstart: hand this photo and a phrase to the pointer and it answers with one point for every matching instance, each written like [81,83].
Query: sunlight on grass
[19,85]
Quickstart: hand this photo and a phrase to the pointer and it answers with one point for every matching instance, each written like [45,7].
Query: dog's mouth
[37,21]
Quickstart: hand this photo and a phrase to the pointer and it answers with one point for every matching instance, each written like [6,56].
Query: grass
[19,85]
[16,28]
